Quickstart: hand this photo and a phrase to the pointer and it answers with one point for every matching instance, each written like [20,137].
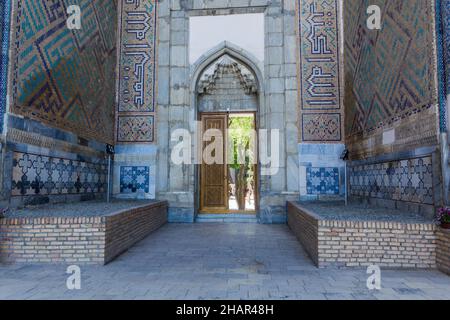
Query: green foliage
[240,133]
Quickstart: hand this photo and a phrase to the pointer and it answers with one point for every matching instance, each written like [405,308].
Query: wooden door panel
[213,177]
[214,197]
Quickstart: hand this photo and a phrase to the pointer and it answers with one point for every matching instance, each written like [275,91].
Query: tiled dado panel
[321,171]
[137,71]
[134,174]
[322,181]
[406,180]
[319,71]
[42,175]
[66,78]
[134,179]
[5,15]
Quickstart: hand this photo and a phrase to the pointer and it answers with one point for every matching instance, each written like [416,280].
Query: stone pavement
[217,261]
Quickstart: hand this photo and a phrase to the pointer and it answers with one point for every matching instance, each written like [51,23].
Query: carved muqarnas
[227,85]
[227,66]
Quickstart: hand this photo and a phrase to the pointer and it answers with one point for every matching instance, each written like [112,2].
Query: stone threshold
[226,218]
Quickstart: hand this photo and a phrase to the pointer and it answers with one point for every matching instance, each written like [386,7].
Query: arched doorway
[227,94]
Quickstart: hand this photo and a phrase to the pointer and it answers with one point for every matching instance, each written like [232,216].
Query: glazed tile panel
[406,180]
[385,89]
[134,179]
[323,127]
[322,181]
[137,71]
[446,26]
[65,78]
[319,68]
[43,175]
[135,128]
[5,14]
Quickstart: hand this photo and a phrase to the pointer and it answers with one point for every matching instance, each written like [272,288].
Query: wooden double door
[215,176]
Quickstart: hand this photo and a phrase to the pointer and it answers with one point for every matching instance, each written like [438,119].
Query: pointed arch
[253,66]
[227,48]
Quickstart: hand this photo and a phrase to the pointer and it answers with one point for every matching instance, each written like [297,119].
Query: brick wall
[125,229]
[358,244]
[305,227]
[443,250]
[46,240]
[386,244]
[78,240]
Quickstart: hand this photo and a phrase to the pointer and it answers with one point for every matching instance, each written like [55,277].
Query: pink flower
[443,215]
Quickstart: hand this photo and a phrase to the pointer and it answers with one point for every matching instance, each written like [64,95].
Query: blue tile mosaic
[5,16]
[319,69]
[444,19]
[441,29]
[406,180]
[322,181]
[134,179]
[57,71]
[35,174]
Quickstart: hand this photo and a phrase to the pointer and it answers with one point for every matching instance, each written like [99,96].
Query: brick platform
[443,250]
[362,243]
[79,240]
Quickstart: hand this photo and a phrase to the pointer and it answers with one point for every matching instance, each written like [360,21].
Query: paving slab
[218,261]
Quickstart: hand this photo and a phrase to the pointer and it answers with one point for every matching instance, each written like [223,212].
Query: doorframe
[198,182]
[257,68]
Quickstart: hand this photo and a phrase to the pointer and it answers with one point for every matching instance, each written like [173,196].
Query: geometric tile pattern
[134,179]
[321,127]
[5,15]
[319,70]
[322,181]
[137,71]
[42,175]
[135,128]
[66,78]
[384,88]
[405,180]
[446,25]
[443,40]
